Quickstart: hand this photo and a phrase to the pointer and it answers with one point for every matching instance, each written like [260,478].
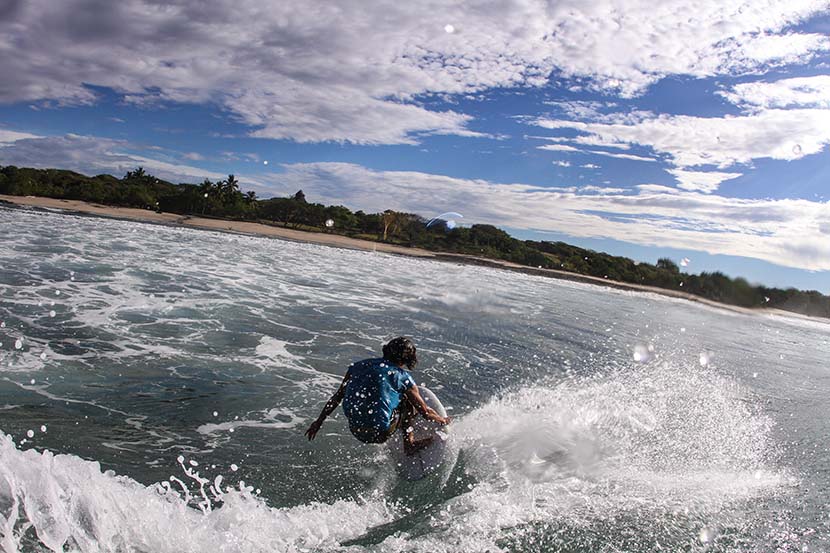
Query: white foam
[70,503]
[639,442]
[268,419]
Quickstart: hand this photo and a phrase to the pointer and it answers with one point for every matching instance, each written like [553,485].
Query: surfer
[379,396]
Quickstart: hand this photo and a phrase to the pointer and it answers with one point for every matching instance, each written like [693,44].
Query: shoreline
[340,241]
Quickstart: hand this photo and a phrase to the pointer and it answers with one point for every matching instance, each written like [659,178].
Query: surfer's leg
[408,414]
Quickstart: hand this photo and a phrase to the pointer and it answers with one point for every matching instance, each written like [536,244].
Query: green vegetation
[224,199]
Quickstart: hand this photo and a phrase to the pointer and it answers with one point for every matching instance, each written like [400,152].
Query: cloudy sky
[681,129]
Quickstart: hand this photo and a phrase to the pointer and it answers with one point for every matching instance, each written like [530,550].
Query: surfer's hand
[439,419]
[313,429]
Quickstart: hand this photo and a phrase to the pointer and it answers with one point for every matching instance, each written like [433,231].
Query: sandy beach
[336,240]
[206,223]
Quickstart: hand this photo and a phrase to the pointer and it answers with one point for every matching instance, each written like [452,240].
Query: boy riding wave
[379,396]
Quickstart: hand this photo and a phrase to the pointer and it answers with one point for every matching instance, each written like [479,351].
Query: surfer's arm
[328,408]
[414,397]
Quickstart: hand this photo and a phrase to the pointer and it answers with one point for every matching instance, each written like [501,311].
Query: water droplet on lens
[706,535]
[215,413]
[797,149]
[449,29]
[234,467]
[704,358]
[30,433]
[18,344]
[43,428]
[329,223]
[57,292]
[43,355]
[641,353]
[180,458]
[52,313]
[448,218]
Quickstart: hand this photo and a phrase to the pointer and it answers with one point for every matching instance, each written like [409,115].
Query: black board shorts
[371,435]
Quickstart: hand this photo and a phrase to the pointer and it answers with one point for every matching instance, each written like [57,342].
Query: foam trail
[67,503]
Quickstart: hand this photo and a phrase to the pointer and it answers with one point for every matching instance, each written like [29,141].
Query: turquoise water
[158,359]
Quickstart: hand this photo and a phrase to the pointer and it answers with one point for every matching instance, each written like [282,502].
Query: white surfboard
[422,463]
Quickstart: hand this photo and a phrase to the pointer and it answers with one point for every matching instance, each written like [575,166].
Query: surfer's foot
[412,446]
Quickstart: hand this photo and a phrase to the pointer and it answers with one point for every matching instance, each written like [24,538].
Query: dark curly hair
[401,351]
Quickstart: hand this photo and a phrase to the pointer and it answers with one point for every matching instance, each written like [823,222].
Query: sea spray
[656,441]
[67,503]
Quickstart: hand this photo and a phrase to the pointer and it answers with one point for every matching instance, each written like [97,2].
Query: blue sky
[693,130]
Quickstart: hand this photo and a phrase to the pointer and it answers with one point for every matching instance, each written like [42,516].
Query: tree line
[224,199]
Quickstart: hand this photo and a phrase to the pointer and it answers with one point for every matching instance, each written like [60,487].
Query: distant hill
[224,199]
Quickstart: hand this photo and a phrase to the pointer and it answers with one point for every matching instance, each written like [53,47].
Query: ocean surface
[155,384]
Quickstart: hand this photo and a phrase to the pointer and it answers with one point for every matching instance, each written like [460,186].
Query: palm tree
[205,190]
[232,185]
[391,220]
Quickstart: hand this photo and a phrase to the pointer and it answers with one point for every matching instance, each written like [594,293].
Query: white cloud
[589,166]
[558,148]
[690,141]
[800,91]
[582,109]
[93,155]
[348,71]
[785,232]
[593,140]
[9,137]
[601,190]
[631,157]
[701,181]
[562,163]
[786,48]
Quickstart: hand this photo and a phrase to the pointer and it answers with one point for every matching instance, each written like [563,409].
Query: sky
[694,130]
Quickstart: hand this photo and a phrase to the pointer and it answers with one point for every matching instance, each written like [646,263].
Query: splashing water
[599,451]
[70,504]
